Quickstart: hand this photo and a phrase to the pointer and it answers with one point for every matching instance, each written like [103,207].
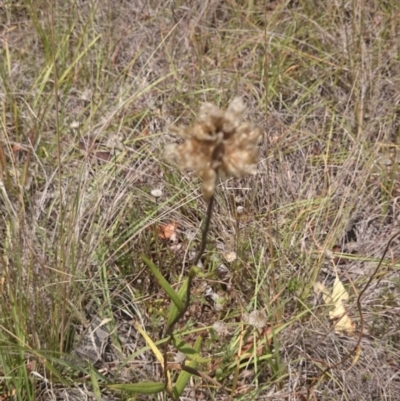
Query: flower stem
[192,273]
[205,231]
[193,270]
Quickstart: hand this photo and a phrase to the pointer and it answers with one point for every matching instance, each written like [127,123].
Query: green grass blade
[95,384]
[79,57]
[164,283]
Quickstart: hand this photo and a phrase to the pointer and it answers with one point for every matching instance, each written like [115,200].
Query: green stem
[192,273]
[193,269]
[205,231]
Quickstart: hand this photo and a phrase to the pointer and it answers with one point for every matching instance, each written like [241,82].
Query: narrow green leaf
[55,372]
[163,283]
[139,388]
[174,310]
[193,272]
[95,384]
[184,377]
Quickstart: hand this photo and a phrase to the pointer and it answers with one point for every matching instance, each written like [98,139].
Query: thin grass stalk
[60,254]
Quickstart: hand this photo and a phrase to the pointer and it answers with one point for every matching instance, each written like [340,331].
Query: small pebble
[156,193]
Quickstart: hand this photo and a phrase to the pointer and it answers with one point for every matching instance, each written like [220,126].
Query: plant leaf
[95,384]
[184,376]
[139,388]
[174,311]
[190,352]
[164,283]
[150,343]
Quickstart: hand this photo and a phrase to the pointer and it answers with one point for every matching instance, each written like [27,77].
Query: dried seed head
[256,318]
[220,328]
[218,144]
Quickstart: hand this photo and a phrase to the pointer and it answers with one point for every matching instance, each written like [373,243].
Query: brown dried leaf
[102,155]
[342,321]
[167,231]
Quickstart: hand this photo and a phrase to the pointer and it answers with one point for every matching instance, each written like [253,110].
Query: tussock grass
[87,92]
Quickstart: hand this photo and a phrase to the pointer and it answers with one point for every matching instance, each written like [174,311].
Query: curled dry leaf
[342,321]
[167,231]
[339,295]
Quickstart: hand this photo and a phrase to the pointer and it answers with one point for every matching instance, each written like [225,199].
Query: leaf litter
[337,296]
